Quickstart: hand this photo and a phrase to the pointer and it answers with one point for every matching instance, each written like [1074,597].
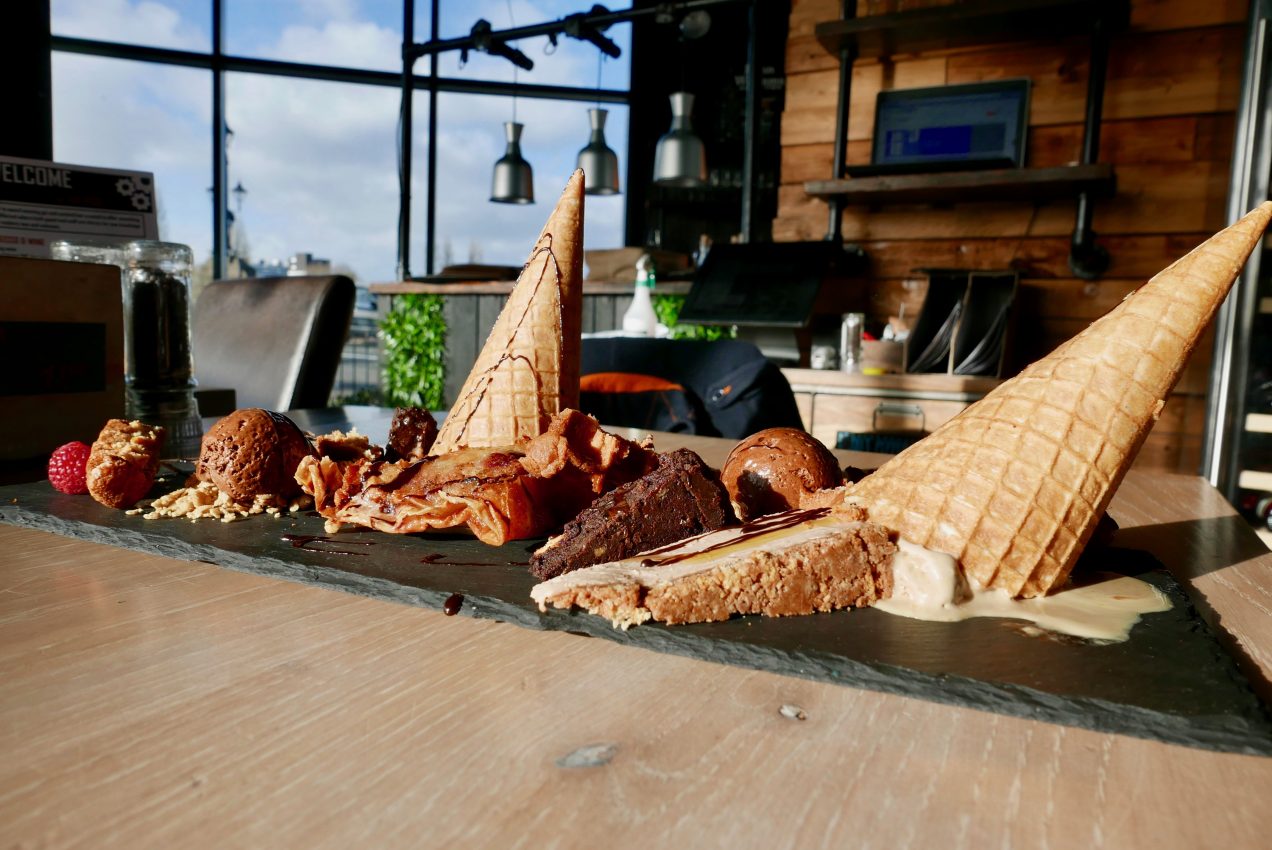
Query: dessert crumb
[792,712]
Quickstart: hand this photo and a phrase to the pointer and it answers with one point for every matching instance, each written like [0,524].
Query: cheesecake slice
[797,562]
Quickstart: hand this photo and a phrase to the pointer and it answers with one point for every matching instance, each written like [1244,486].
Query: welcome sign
[42,202]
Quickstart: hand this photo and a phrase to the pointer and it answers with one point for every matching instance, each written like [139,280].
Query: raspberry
[68,468]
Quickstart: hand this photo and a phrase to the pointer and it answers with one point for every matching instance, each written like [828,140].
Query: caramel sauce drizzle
[749,531]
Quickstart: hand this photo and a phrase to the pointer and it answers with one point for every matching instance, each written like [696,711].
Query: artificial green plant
[413,335]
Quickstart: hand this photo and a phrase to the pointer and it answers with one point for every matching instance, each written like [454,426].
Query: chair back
[739,389]
[276,341]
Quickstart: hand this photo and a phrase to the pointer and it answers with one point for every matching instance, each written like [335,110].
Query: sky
[317,160]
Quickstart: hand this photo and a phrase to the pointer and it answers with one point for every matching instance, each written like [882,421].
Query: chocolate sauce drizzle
[304,541]
[486,380]
[749,531]
[437,558]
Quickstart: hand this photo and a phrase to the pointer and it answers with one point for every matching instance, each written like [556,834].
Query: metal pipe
[597,20]
[430,214]
[751,123]
[219,225]
[405,133]
[1087,259]
[1235,321]
[847,55]
[330,73]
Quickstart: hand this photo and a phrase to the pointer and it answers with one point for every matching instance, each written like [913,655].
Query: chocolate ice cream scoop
[769,471]
[253,452]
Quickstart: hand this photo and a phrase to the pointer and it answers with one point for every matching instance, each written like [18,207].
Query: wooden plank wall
[1170,100]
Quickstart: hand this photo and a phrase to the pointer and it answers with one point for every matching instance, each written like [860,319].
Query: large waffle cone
[528,370]
[1014,486]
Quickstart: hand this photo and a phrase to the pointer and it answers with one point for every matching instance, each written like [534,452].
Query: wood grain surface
[146,702]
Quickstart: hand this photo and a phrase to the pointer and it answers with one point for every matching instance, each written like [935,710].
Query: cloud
[146,22]
[318,159]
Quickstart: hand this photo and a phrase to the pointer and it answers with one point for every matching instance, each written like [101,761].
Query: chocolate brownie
[681,497]
[411,434]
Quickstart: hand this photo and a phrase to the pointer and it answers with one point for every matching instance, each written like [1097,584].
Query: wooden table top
[148,702]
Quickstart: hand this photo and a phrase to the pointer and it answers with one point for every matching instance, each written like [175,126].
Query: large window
[126,114]
[311,152]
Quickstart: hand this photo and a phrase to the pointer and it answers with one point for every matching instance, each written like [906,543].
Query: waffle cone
[528,370]
[1014,486]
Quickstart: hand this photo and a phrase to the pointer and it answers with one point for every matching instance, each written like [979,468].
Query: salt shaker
[159,368]
[850,342]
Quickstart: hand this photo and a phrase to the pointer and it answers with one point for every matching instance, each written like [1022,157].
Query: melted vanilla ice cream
[928,585]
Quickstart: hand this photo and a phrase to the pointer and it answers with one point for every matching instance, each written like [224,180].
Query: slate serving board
[1171,681]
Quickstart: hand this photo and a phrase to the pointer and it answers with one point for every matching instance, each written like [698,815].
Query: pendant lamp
[679,159]
[598,160]
[513,181]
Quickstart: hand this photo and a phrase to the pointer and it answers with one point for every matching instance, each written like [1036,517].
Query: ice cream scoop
[769,471]
[253,452]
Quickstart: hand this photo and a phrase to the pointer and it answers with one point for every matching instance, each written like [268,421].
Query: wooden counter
[503,287]
[831,402]
[147,702]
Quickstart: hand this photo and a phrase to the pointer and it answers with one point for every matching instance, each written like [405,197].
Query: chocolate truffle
[769,471]
[411,434]
[253,452]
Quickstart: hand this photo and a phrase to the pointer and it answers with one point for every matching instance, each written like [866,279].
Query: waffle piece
[501,494]
[680,498]
[1015,485]
[486,489]
[123,462]
[796,562]
[528,370]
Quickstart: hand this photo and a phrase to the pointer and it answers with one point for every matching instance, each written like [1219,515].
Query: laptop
[949,128]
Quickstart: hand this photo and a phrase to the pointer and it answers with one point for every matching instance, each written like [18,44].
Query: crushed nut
[206,501]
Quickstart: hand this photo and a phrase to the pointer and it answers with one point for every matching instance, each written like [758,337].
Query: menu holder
[964,325]
[61,331]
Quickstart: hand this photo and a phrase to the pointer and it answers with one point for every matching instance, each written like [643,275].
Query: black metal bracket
[838,168]
[586,26]
[1087,260]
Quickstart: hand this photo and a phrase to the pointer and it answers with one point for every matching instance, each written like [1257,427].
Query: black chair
[276,341]
[725,388]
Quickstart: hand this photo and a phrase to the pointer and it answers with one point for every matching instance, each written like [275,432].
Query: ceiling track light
[484,40]
[578,26]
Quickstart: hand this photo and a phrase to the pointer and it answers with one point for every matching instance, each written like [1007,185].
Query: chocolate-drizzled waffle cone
[528,370]
[1014,486]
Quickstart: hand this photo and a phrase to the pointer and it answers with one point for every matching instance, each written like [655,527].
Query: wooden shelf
[1001,184]
[968,24]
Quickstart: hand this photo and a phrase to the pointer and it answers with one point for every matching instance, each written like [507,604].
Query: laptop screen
[978,121]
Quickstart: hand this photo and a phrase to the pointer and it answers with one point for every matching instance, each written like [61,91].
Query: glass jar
[84,250]
[158,366]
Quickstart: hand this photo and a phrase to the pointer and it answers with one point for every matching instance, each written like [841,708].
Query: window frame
[218,62]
